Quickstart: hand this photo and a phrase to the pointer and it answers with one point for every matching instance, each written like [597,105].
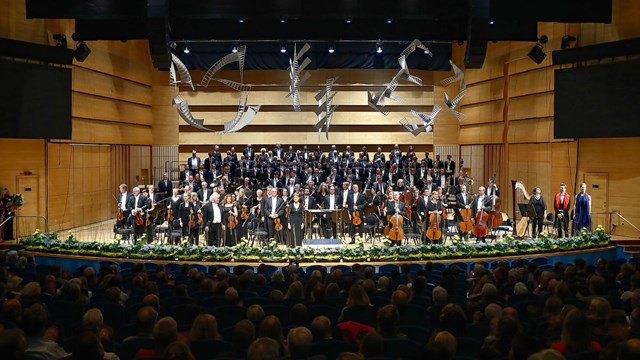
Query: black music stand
[529,211]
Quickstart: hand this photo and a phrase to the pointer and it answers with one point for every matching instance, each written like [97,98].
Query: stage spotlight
[389,21]
[234,49]
[492,22]
[187,49]
[348,21]
[566,41]
[61,40]
[379,47]
[282,21]
[536,53]
[241,21]
[283,49]
[82,51]
[331,49]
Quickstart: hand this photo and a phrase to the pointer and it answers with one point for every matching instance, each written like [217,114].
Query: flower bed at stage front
[51,243]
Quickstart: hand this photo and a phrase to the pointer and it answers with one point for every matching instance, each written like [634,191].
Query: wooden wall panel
[484,112]
[100,108]
[535,81]
[165,117]
[617,157]
[531,106]
[107,132]
[446,126]
[489,90]
[127,60]
[96,83]
[303,118]
[79,194]
[490,133]
[531,130]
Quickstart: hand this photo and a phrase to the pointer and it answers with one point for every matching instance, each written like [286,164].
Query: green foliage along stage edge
[270,252]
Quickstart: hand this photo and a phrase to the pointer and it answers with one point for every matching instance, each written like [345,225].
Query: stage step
[630,246]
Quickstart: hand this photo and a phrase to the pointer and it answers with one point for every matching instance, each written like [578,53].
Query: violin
[139,220]
[407,204]
[170,215]
[148,219]
[243,214]
[356,218]
[277,224]
[120,214]
[200,218]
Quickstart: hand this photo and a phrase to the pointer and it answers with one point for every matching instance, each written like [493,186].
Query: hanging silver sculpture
[325,108]
[294,74]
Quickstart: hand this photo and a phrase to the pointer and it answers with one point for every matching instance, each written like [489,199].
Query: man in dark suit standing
[450,169]
[212,216]
[165,187]
[204,193]
[437,162]
[332,201]
[136,204]
[273,209]
[356,202]
[123,202]
[248,152]
[193,163]
[278,151]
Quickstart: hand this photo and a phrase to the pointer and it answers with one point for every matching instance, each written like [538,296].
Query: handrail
[46,221]
[7,219]
[617,213]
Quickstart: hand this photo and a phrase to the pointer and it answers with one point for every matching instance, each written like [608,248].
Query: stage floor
[103,232]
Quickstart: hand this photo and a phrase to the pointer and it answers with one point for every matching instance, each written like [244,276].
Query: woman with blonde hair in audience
[204,327]
[576,335]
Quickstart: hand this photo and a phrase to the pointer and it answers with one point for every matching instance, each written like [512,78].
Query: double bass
[495,216]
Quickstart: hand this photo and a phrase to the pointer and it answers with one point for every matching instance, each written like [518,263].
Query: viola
[192,220]
[148,219]
[200,218]
[277,224]
[139,220]
[466,221]
[243,214]
[170,215]
[356,218]
[120,214]
[232,221]
[434,233]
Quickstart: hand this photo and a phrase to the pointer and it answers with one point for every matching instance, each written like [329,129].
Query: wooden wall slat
[104,85]
[99,108]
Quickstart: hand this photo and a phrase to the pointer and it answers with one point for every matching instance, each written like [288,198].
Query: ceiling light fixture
[282,21]
[187,49]
[331,49]
[379,47]
[283,49]
[234,49]
[241,21]
[349,21]
[389,21]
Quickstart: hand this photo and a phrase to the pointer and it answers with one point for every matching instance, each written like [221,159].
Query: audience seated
[515,310]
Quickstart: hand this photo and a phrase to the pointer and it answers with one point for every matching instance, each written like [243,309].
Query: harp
[521,225]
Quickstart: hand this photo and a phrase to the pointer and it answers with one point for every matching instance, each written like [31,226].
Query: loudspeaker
[536,54]
[477,33]
[158,32]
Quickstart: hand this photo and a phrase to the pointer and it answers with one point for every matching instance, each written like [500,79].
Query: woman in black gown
[229,212]
[296,224]
[435,206]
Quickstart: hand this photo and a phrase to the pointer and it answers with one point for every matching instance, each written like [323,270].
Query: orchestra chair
[255,232]
[370,229]
[409,235]
[549,225]
[161,233]
[125,233]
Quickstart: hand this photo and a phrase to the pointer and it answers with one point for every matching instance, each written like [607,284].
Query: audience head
[263,349]
[299,342]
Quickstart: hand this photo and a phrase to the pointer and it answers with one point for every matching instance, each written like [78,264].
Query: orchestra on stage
[292,195]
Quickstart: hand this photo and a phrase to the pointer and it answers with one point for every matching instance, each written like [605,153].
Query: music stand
[529,211]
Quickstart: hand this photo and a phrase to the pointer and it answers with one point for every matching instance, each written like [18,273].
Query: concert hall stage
[96,244]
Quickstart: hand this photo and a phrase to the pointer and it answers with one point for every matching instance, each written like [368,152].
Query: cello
[466,220]
[433,232]
[480,229]
[396,233]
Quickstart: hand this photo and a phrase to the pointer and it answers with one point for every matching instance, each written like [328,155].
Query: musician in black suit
[396,206]
[193,163]
[137,204]
[204,193]
[249,152]
[210,160]
[165,187]
[450,168]
[438,163]
[278,151]
[123,201]
[332,201]
[274,208]
[482,202]
[355,202]
[212,216]
[463,199]
[184,175]
[492,188]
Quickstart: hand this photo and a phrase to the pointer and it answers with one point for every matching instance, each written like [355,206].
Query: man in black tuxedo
[397,154]
[278,151]
[123,201]
[450,168]
[275,182]
[212,216]
[463,199]
[356,201]
[482,202]
[184,175]
[332,201]
[396,207]
[204,193]
[193,163]
[437,162]
[165,187]
[273,209]
[427,160]
[429,185]
[137,204]
[248,152]
[217,155]
[210,160]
